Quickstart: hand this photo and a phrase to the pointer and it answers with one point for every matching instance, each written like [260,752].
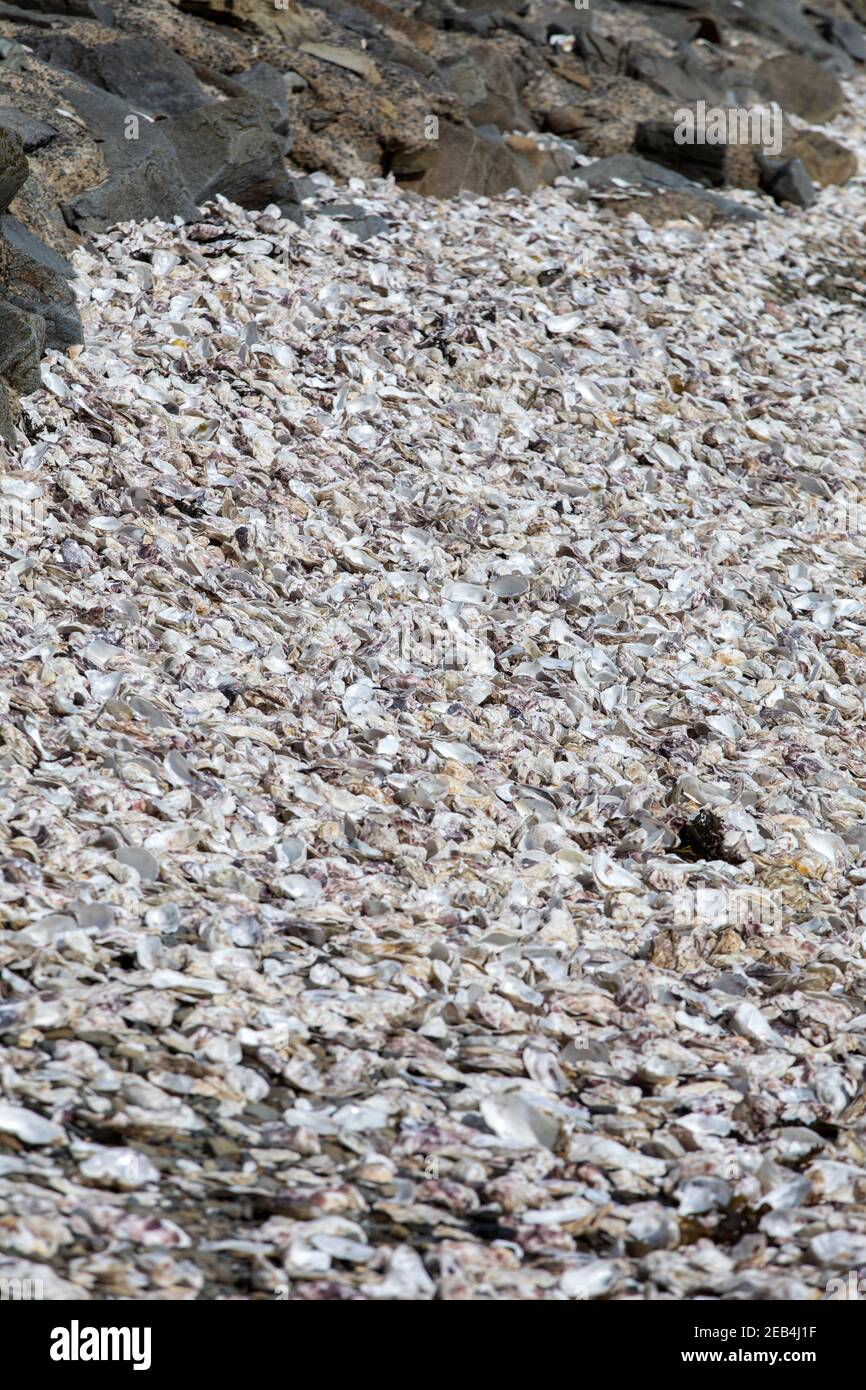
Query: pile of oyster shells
[432,760]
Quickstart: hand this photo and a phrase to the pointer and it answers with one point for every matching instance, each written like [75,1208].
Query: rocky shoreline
[122,113]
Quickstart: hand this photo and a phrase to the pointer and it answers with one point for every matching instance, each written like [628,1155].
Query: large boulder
[13,167]
[146,73]
[673,195]
[230,148]
[738,162]
[802,87]
[685,78]
[785,23]
[269,85]
[462,158]
[499,100]
[22,339]
[36,279]
[462,75]
[167,168]
[141,191]
[827,161]
[144,178]
[33,133]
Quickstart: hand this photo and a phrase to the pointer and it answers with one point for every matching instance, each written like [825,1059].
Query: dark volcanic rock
[844,33]
[787,181]
[702,162]
[87,9]
[605,174]
[37,279]
[269,84]
[21,241]
[7,416]
[354,219]
[53,301]
[145,179]
[785,22]
[13,167]
[229,148]
[134,194]
[686,80]
[125,138]
[144,72]
[22,339]
[32,133]
[630,168]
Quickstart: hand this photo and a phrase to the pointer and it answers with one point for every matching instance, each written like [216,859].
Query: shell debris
[432,759]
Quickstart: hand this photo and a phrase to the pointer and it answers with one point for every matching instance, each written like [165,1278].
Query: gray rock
[13,167]
[685,80]
[229,148]
[844,33]
[462,75]
[22,339]
[7,420]
[145,178]
[13,56]
[802,86]
[787,181]
[14,12]
[269,84]
[145,73]
[642,173]
[354,219]
[37,280]
[721,165]
[655,178]
[132,195]
[54,303]
[482,24]
[126,138]
[785,22]
[22,241]
[502,80]
[32,132]
[84,9]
